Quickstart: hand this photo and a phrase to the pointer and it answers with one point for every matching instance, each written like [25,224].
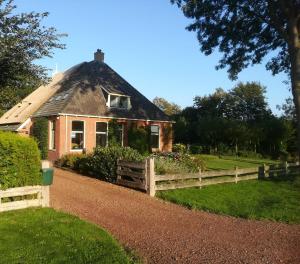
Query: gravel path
[162,232]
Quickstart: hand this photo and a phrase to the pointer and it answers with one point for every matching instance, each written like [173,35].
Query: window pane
[101,140]
[154,141]
[101,127]
[77,140]
[114,101]
[77,126]
[123,102]
[154,129]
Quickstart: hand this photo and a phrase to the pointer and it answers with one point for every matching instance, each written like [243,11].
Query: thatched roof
[80,91]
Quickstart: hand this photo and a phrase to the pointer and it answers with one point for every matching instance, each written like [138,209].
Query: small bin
[47,176]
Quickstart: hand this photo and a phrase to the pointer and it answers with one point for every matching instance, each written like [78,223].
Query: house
[79,105]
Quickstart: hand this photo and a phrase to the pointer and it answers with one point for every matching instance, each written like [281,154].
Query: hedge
[19,161]
[40,133]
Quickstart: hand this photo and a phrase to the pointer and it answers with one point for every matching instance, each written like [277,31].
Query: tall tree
[169,108]
[23,40]
[245,31]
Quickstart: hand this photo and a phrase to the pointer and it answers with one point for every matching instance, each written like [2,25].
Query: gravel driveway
[162,232]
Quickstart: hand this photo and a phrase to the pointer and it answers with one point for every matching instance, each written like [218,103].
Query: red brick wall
[64,127]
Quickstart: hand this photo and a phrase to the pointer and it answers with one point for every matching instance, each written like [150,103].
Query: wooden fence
[24,197]
[141,175]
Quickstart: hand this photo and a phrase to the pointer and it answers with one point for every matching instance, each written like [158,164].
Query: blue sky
[146,43]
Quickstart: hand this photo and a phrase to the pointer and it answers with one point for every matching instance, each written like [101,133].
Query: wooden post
[150,177]
[45,196]
[236,174]
[262,172]
[286,168]
[200,179]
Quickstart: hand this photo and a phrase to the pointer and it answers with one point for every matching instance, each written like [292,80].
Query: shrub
[177,163]
[138,138]
[69,160]
[181,148]
[195,149]
[40,133]
[101,164]
[19,161]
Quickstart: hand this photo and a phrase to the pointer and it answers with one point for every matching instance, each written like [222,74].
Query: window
[77,135]
[101,134]
[154,136]
[117,101]
[52,135]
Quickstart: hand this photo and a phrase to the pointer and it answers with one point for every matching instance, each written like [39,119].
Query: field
[276,200]
[229,162]
[47,236]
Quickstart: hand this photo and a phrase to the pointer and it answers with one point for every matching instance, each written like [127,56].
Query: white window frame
[103,133]
[77,132]
[119,95]
[52,145]
[155,135]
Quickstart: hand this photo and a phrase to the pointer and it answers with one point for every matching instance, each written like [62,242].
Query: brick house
[79,104]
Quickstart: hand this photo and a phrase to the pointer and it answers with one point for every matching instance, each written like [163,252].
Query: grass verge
[276,200]
[229,162]
[47,236]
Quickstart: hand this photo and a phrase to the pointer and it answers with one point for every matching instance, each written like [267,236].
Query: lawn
[229,162]
[47,236]
[276,200]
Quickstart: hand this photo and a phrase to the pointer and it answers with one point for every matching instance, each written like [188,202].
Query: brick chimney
[99,55]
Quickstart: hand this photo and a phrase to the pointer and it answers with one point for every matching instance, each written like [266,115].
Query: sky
[146,42]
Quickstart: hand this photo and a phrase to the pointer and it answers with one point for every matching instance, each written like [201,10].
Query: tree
[246,31]
[23,40]
[167,107]
[247,102]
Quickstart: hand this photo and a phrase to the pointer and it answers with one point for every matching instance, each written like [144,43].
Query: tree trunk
[295,80]
[294,52]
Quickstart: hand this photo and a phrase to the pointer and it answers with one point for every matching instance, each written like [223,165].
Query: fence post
[236,174]
[45,196]
[200,179]
[150,177]
[286,168]
[262,172]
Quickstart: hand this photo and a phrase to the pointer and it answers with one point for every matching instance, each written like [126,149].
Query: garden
[275,199]
[43,235]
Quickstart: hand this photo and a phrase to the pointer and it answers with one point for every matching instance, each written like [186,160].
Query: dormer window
[119,101]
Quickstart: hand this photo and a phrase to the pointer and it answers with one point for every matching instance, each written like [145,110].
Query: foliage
[19,161]
[102,164]
[235,121]
[23,40]
[246,32]
[181,148]
[114,133]
[41,134]
[167,107]
[195,149]
[138,138]
[176,163]
[47,236]
[273,200]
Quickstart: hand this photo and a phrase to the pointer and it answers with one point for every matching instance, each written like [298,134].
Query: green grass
[229,162]
[47,236]
[276,200]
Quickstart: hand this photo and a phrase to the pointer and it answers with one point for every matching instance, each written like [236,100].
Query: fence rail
[39,196]
[141,175]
